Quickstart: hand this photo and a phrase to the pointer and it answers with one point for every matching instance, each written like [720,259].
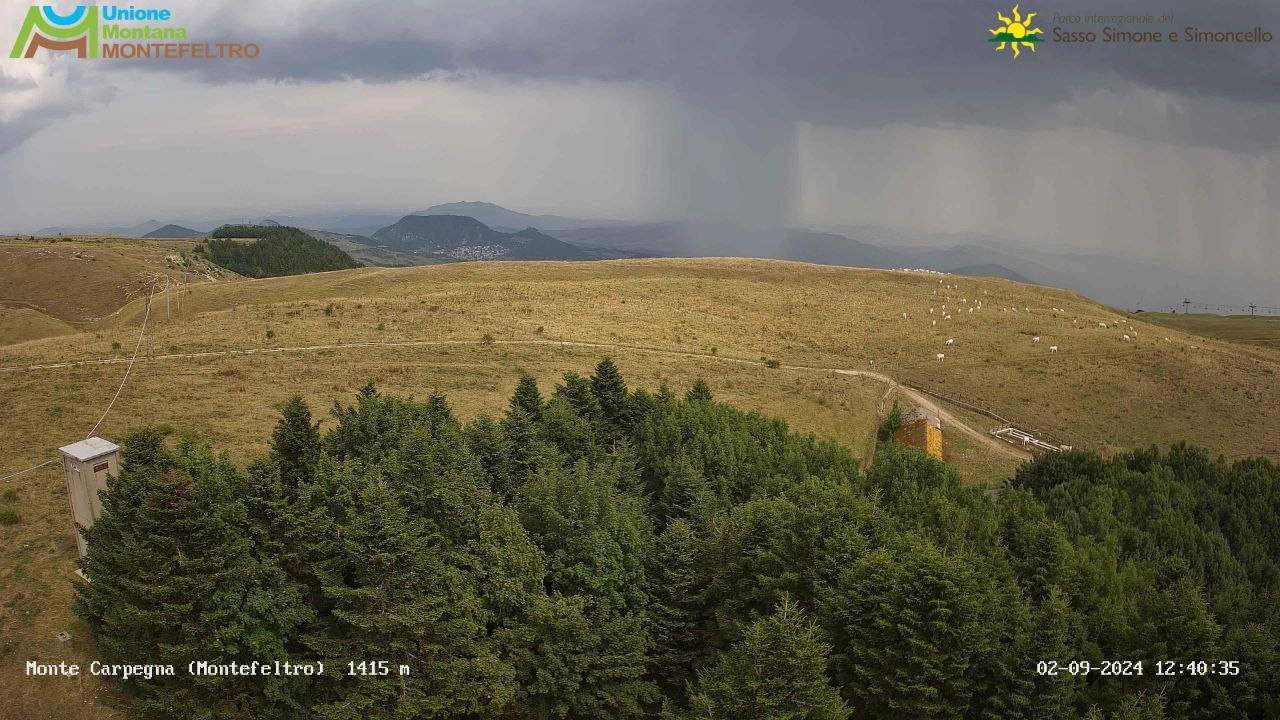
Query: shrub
[11,494]
[270,333]
[771,362]
[382,326]
[115,347]
[328,309]
[8,516]
[891,423]
[487,339]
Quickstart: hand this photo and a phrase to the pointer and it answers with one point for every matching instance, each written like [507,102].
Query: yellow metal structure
[921,429]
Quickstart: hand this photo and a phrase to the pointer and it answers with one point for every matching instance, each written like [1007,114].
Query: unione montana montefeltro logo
[116,32]
[45,28]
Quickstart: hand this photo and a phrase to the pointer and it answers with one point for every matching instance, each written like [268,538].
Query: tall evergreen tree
[682,487]
[700,391]
[906,626]
[776,672]
[396,599]
[527,397]
[295,442]
[576,390]
[610,390]
[675,611]
[175,580]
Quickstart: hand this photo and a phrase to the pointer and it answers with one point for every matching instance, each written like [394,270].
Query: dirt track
[916,397]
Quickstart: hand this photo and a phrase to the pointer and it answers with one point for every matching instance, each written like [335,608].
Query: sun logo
[1015,32]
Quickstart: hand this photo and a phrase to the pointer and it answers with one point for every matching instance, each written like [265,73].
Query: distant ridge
[991,270]
[277,250]
[459,237]
[174,232]
[504,220]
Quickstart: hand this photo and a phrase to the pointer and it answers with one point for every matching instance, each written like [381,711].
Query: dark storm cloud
[25,108]
[828,61]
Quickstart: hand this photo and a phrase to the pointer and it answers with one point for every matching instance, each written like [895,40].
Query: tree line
[276,251]
[603,552]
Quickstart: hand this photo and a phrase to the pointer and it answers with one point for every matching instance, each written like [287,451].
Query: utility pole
[1186,306]
[1252,307]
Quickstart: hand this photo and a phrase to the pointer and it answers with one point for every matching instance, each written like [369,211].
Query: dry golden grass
[1262,330]
[19,324]
[664,320]
[1097,391]
[83,280]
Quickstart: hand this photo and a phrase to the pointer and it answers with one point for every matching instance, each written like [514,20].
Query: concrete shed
[87,464]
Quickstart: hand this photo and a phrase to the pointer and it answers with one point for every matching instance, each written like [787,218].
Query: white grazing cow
[951,341]
[1102,325]
[1127,338]
[1053,348]
[935,323]
[904,316]
[930,311]
[941,356]
[1035,339]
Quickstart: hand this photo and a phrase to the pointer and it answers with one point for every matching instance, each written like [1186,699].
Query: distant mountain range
[139,230]
[172,231]
[504,220]
[457,237]
[482,230]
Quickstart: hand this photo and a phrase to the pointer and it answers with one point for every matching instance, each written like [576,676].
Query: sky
[820,114]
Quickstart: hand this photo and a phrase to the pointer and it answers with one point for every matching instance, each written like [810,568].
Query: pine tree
[577,661]
[682,487]
[295,443]
[906,625]
[576,390]
[776,672]
[591,635]
[700,391]
[527,397]
[592,535]
[490,445]
[175,579]
[396,599]
[675,609]
[528,451]
[610,390]
[570,433]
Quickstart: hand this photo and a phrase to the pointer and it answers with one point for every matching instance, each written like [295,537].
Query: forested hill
[278,250]
[609,553]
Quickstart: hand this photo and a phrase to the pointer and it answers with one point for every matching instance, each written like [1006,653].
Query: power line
[24,472]
[141,334]
[128,369]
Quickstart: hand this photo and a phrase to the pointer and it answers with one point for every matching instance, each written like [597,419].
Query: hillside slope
[75,282]
[275,251]
[1096,391]
[504,220]
[700,239]
[456,237]
[174,231]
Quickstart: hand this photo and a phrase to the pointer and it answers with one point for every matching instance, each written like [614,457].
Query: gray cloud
[824,61]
